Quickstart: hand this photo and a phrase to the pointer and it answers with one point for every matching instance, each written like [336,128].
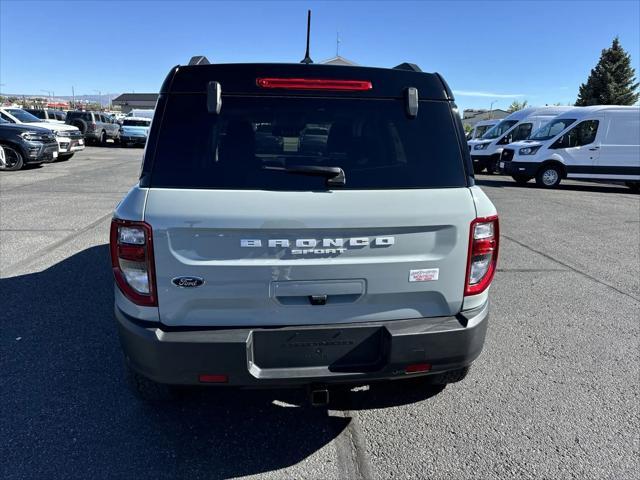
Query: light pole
[49,93]
[99,97]
[491,109]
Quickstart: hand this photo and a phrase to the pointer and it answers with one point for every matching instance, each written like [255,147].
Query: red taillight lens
[91,126]
[484,238]
[314,84]
[210,378]
[417,368]
[132,261]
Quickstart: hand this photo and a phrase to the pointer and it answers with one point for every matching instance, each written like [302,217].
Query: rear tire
[10,159]
[521,179]
[147,390]
[549,176]
[103,138]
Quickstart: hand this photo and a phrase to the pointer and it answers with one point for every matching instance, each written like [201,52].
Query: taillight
[91,126]
[484,238]
[132,261]
[314,84]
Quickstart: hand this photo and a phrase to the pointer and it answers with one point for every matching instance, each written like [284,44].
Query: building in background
[131,101]
[471,116]
[338,60]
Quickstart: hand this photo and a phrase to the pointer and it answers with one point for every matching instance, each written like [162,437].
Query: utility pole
[48,92]
[99,97]
[491,109]
[337,44]
[73,97]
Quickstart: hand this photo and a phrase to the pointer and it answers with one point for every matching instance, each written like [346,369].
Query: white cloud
[467,93]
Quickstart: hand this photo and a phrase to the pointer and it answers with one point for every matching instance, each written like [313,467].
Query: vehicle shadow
[67,412]
[567,185]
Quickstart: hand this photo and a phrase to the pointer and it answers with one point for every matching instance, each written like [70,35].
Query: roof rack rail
[408,66]
[199,60]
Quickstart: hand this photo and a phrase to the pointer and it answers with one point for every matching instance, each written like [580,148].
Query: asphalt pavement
[554,394]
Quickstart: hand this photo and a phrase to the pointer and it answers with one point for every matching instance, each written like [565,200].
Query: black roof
[136,97]
[240,78]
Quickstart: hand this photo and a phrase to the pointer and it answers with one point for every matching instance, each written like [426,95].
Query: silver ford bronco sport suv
[302,225]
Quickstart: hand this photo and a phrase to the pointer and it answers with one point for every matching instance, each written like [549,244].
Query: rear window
[37,113]
[136,123]
[373,141]
[83,115]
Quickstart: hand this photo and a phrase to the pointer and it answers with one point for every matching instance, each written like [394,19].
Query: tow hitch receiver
[319,397]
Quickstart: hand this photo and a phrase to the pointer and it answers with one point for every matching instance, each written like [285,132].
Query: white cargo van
[481,128]
[486,151]
[598,142]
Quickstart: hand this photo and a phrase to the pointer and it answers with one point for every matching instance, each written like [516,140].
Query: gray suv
[95,126]
[244,258]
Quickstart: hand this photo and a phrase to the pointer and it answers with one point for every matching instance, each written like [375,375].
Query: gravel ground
[554,395]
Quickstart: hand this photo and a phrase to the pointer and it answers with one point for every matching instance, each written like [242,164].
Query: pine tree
[612,81]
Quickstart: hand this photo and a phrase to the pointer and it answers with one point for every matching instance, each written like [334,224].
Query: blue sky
[539,50]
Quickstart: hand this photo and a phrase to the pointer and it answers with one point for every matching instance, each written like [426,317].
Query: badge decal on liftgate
[188,282]
[424,275]
[323,246]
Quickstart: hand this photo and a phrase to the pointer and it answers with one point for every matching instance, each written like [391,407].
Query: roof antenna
[307,58]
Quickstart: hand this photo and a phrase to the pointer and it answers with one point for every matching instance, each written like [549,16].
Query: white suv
[69,138]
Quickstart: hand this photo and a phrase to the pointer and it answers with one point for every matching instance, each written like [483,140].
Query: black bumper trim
[179,356]
[521,168]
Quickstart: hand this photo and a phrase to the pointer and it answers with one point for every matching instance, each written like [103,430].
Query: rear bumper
[178,357]
[135,140]
[92,135]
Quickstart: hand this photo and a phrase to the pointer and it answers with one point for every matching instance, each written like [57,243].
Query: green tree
[516,105]
[612,81]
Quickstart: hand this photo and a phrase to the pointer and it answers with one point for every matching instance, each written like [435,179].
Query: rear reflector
[207,378]
[418,367]
[314,84]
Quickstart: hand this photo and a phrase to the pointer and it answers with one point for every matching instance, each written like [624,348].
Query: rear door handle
[594,148]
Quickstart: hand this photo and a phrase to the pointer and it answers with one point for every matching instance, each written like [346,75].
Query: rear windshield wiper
[334,175]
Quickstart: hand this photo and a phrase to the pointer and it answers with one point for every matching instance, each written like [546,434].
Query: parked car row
[69,139]
[600,142]
[98,127]
[42,135]
[23,144]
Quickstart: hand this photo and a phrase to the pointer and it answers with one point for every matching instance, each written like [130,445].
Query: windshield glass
[499,129]
[373,141]
[551,129]
[135,123]
[23,116]
[481,130]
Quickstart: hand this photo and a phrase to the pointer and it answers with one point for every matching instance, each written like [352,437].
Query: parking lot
[554,394]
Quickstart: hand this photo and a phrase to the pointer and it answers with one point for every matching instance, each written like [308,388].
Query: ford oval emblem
[188,282]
